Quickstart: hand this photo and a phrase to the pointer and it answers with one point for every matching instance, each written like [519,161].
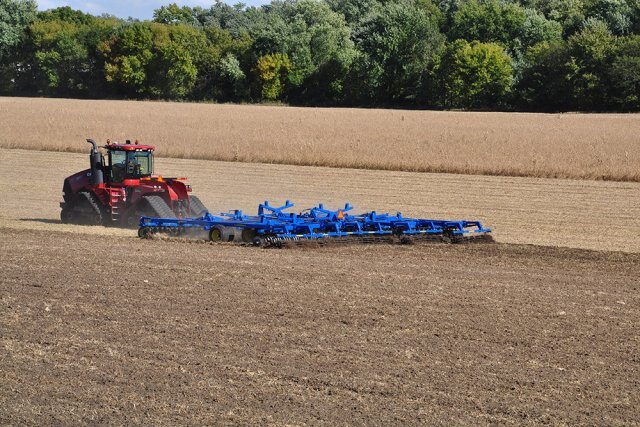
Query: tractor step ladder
[116,196]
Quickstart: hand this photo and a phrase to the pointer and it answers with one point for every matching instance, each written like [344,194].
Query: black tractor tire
[65,215]
[84,209]
[196,207]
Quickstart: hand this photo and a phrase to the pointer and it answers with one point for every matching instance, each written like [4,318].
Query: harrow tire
[248,235]
[144,232]
[215,234]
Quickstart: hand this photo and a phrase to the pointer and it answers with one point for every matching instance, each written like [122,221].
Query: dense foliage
[548,55]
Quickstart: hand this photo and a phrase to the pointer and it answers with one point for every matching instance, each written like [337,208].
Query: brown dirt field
[602,146]
[581,214]
[99,327]
[97,330]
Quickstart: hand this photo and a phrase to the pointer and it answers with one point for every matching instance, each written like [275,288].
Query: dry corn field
[602,147]
[100,327]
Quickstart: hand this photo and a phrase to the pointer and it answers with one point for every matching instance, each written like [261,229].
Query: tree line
[526,55]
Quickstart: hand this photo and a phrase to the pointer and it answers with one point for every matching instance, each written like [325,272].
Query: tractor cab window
[139,163]
[130,164]
[118,162]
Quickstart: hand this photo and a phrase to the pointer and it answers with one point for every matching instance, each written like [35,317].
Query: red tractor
[122,189]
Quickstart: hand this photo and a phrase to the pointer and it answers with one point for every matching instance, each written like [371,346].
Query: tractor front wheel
[66,216]
[85,209]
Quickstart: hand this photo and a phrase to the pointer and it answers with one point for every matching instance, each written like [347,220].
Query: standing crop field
[604,147]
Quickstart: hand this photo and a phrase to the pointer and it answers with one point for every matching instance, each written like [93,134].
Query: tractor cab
[128,161]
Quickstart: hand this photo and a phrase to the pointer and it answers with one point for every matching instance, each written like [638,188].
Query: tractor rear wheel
[196,207]
[158,208]
[151,206]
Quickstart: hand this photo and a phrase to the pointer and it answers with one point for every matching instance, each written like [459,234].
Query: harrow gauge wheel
[215,234]
[144,232]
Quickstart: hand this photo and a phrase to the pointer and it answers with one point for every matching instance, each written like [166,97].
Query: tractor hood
[79,180]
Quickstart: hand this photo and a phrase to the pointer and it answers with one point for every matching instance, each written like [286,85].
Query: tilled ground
[548,212]
[98,329]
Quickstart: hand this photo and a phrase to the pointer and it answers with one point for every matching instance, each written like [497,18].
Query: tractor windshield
[130,164]
[139,163]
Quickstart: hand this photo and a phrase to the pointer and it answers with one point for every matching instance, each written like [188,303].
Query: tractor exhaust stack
[95,160]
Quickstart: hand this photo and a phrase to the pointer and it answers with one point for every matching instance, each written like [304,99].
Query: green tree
[232,76]
[174,14]
[61,57]
[625,75]
[353,11]
[591,51]
[537,29]
[225,66]
[569,13]
[475,75]
[15,18]
[312,36]
[273,72]
[489,21]
[155,60]
[543,81]
[236,19]
[127,55]
[177,49]
[578,74]
[399,44]
[67,14]
[617,14]
[64,55]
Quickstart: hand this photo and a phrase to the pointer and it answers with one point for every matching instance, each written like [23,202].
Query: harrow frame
[273,225]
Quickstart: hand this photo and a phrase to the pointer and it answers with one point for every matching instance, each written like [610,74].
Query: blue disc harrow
[273,226]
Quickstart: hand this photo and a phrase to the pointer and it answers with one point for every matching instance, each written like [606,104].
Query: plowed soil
[117,330]
[99,327]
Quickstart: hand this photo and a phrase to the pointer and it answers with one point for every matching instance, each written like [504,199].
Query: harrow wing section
[273,226]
